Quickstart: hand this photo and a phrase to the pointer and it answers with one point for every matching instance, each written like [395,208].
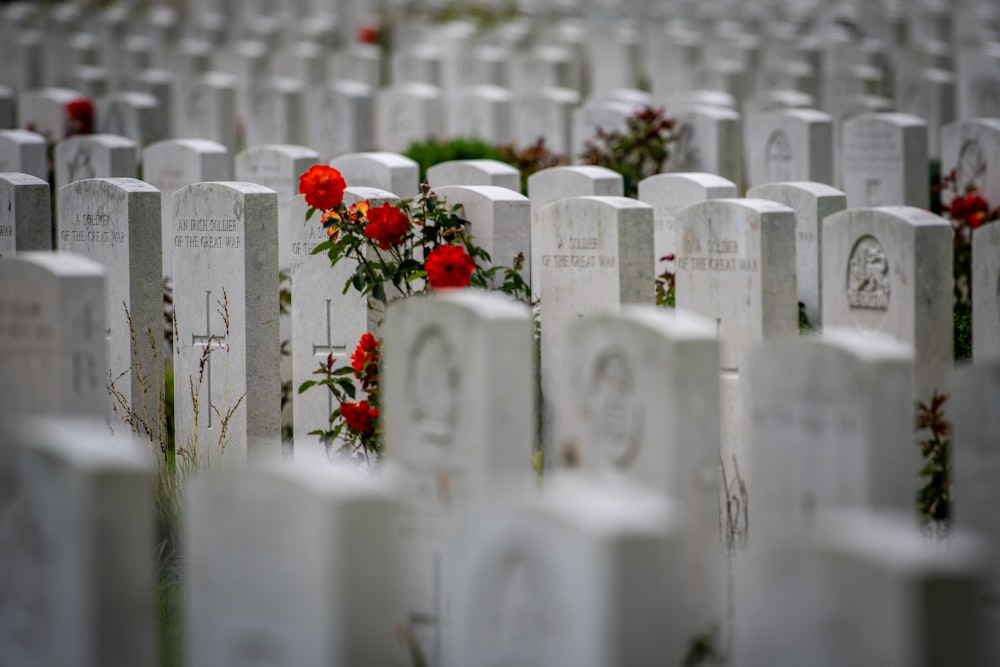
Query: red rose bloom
[360,417]
[387,225]
[368,34]
[970,209]
[364,360]
[80,114]
[449,266]
[323,187]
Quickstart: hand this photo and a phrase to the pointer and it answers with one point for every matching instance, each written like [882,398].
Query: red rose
[368,34]
[387,225]
[80,112]
[364,360]
[360,417]
[449,266]
[323,187]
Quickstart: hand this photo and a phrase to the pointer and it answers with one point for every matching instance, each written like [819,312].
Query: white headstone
[971,148]
[929,94]
[94,156]
[277,113]
[986,292]
[386,171]
[586,577]
[172,164]
[405,113]
[340,119]
[291,566]
[594,253]
[25,214]
[499,223]
[208,110]
[459,420]
[831,427]
[884,160]
[483,112]
[137,116]
[812,202]
[23,151]
[44,111]
[226,340]
[474,172]
[76,541]
[52,324]
[789,145]
[708,139]
[324,320]
[641,401]
[116,222]
[546,114]
[668,193]
[889,270]
[277,167]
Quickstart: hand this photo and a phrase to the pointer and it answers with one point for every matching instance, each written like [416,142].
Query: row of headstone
[452,552]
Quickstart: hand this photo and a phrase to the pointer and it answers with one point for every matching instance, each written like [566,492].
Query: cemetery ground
[413,334]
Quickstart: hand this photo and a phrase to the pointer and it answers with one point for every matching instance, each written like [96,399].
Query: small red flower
[368,34]
[364,360]
[387,225]
[360,417]
[80,112]
[970,209]
[449,266]
[323,187]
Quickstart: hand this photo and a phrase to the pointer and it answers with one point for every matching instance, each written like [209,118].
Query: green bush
[431,152]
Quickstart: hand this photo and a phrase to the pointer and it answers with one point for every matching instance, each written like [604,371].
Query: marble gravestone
[584,576]
[43,110]
[340,119]
[789,145]
[549,185]
[277,167]
[861,589]
[459,424]
[77,543]
[208,109]
[174,163]
[708,139]
[94,156]
[226,340]
[641,402]
[971,148]
[325,321]
[736,267]
[116,222]
[546,113]
[24,152]
[53,349]
[812,203]
[136,116]
[474,172]
[291,566]
[594,253]
[889,270]
[831,427]
[25,214]
[667,193]
[406,113]
[499,221]
[986,292]
[391,172]
[884,160]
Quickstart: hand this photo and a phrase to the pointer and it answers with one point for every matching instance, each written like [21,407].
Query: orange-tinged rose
[323,187]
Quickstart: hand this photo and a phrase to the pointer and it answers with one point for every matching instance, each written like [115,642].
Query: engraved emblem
[81,166]
[611,413]
[778,157]
[971,167]
[432,380]
[868,283]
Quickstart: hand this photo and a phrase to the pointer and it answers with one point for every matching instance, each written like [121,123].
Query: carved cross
[210,342]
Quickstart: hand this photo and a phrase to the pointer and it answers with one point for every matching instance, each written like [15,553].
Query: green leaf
[378,291]
[309,213]
[306,385]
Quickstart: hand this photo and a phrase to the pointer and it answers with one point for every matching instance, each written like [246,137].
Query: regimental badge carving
[611,413]
[971,167]
[515,620]
[778,158]
[432,383]
[82,165]
[868,283]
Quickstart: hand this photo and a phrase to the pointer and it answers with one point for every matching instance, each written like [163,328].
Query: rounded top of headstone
[862,345]
[22,136]
[581,173]
[81,441]
[481,192]
[594,201]
[124,184]
[488,305]
[193,145]
[675,324]
[291,151]
[107,140]
[384,158]
[910,215]
[609,507]
[17,178]
[769,190]
[354,194]
[759,206]
[701,179]
[60,263]
[238,186]
[886,117]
